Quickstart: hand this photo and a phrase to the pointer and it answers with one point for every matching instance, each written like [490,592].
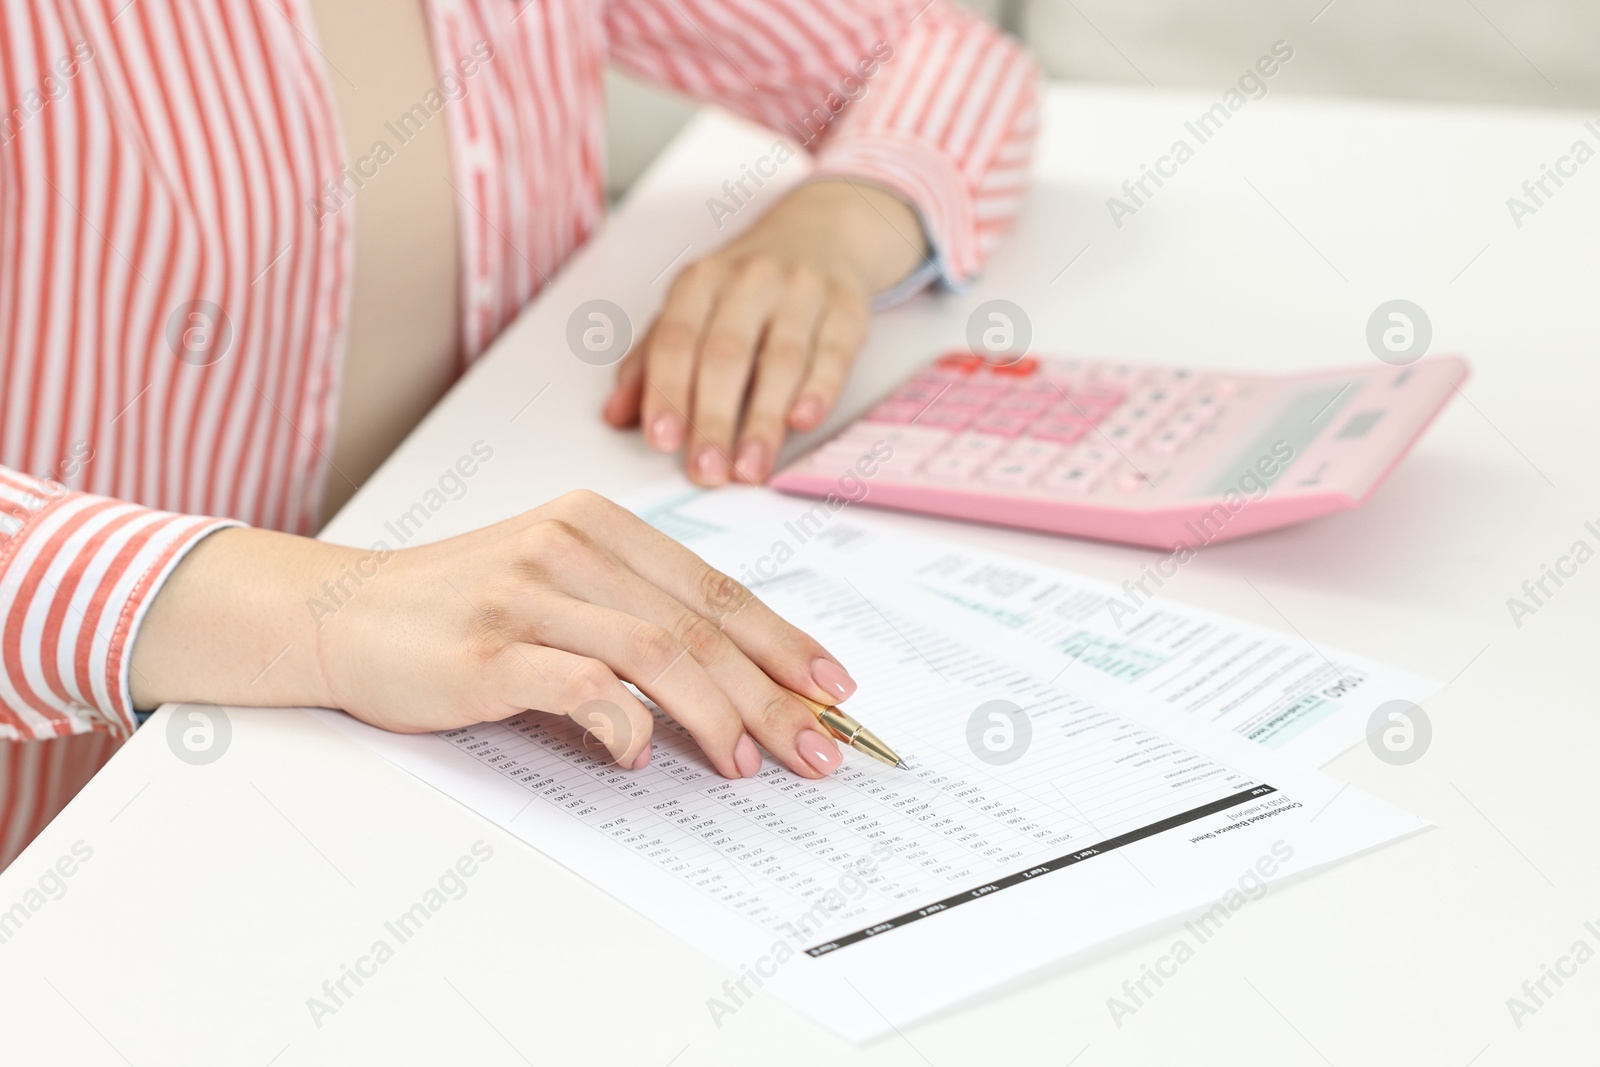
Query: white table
[218,898]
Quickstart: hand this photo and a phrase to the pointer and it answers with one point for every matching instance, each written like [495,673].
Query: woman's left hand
[759,338]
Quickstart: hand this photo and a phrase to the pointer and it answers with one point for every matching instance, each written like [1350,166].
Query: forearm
[553,611]
[237,622]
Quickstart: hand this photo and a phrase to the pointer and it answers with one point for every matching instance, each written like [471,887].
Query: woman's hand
[759,338]
[550,611]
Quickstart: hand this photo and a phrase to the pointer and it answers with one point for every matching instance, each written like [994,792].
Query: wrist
[877,235]
[349,611]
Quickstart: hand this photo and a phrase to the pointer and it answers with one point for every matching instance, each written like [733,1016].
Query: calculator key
[1022,368]
[1012,472]
[1000,423]
[952,467]
[1032,448]
[1196,417]
[971,411]
[900,453]
[921,391]
[968,396]
[1214,393]
[901,459]
[977,444]
[1100,393]
[894,411]
[1159,398]
[1066,431]
[1071,479]
[936,383]
[1062,385]
[920,395]
[990,385]
[1095,454]
[1119,373]
[1135,481]
[852,448]
[959,362]
[1093,412]
[1027,403]
[947,418]
[829,460]
[1169,441]
[906,460]
[1123,434]
[1071,410]
[1050,385]
[898,436]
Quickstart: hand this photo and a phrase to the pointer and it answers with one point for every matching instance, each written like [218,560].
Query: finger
[658,664]
[839,338]
[670,356]
[772,715]
[623,406]
[539,678]
[791,657]
[722,373]
[780,366]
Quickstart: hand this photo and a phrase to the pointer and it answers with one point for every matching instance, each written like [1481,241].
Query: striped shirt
[175,272]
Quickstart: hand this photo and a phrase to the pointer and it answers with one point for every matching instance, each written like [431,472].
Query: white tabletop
[216,899]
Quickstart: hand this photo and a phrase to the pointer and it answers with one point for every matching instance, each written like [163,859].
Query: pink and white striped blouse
[159,165]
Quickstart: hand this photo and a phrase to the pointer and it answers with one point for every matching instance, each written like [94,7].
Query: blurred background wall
[1536,53]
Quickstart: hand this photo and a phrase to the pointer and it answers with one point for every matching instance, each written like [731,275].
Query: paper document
[1034,821]
[1273,688]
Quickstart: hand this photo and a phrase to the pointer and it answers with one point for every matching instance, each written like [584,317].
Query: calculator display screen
[1274,449]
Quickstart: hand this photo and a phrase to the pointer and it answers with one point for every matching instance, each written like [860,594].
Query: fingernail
[643,759]
[747,757]
[807,412]
[710,465]
[752,461]
[832,677]
[819,751]
[666,432]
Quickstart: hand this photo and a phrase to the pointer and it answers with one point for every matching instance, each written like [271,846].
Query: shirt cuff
[78,574]
[929,181]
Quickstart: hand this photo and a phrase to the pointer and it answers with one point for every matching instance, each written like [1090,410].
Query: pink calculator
[1159,456]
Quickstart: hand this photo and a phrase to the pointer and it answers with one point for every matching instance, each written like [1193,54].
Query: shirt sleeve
[77,574]
[924,99]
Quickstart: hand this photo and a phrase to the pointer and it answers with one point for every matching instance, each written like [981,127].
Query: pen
[846,730]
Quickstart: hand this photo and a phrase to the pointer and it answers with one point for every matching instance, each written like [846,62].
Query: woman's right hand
[550,611]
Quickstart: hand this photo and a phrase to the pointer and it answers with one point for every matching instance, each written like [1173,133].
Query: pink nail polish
[807,412]
[819,751]
[752,461]
[642,760]
[832,677]
[747,757]
[710,465]
[666,432]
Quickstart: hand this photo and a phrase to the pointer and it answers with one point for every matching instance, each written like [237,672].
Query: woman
[245,245]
